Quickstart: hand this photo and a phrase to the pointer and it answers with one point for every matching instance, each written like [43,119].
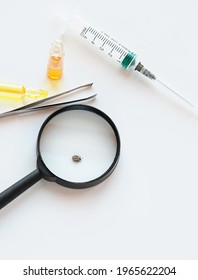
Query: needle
[140,68]
[175,93]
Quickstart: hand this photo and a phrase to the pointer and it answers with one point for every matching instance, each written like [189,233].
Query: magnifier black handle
[18,188]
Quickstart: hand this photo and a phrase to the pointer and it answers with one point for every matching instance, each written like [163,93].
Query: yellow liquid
[55,68]
[12,91]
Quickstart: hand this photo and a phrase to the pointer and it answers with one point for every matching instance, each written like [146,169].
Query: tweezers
[31,107]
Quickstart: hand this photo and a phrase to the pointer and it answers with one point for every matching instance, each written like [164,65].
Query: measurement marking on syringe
[109,43]
[104,39]
[122,54]
[95,32]
[119,49]
[96,36]
[87,30]
[104,42]
[112,50]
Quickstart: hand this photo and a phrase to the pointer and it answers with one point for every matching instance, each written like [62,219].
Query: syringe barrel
[103,42]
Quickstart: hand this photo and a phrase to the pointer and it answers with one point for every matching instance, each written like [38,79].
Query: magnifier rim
[50,176]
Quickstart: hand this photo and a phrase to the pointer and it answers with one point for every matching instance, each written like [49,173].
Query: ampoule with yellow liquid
[55,63]
[17,92]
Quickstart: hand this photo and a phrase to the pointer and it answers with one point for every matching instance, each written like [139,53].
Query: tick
[76,158]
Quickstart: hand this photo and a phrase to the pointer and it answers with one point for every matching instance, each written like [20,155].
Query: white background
[148,208]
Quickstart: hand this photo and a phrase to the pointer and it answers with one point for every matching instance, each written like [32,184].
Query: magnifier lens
[78,145]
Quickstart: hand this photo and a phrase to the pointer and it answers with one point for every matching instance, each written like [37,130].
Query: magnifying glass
[78,147]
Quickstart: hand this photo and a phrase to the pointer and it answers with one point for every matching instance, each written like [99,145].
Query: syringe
[114,50]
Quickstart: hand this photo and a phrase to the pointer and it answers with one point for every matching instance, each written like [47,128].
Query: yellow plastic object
[12,91]
[55,63]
